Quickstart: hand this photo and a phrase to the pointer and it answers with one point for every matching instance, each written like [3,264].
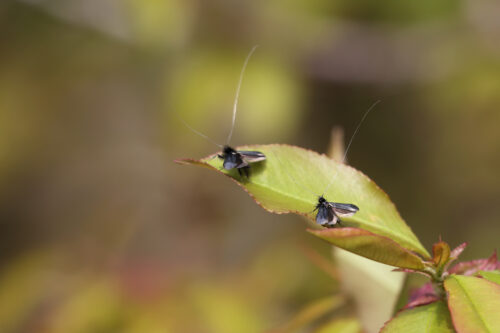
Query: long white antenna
[352,138]
[199,133]
[235,105]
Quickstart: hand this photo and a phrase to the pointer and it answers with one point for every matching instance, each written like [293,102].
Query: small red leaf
[474,266]
[421,296]
[456,252]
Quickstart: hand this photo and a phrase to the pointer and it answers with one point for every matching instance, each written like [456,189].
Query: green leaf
[370,245]
[493,276]
[430,318]
[292,178]
[474,303]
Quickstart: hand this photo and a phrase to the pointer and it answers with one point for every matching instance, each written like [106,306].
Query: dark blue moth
[329,213]
[240,159]
[236,159]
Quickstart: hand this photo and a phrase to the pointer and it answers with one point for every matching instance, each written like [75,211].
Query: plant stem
[437,280]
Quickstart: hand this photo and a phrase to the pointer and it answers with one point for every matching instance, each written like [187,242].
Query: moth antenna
[352,138]
[235,105]
[357,128]
[199,133]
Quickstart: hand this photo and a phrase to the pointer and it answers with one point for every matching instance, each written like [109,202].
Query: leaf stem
[437,277]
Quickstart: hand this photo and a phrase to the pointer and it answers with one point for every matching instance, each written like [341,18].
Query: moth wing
[331,215]
[333,222]
[252,156]
[230,162]
[228,165]
[324,215]
[344,210]
[242,164]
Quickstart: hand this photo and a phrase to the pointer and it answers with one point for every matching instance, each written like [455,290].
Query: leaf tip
[458,250]
[183,161]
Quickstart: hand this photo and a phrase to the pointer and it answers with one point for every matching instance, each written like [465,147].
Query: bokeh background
[100,231]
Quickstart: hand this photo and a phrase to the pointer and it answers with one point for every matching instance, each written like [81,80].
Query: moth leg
[312,211]
[244,171]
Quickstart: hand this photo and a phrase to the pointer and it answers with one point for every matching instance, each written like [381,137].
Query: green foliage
[292,178]
[431,318]
[474,303]
[493,276]
[290,181]
[89,184]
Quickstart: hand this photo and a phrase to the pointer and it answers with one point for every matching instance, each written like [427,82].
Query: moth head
[228,150]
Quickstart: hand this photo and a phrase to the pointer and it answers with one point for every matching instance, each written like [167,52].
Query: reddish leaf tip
[182,161]
[474,266]
[458,250]
[370,245]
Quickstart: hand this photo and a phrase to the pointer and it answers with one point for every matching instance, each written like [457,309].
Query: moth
[232,158]
[240,159]
[329,213]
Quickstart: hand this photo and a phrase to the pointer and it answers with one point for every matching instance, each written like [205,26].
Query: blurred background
[100,231]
